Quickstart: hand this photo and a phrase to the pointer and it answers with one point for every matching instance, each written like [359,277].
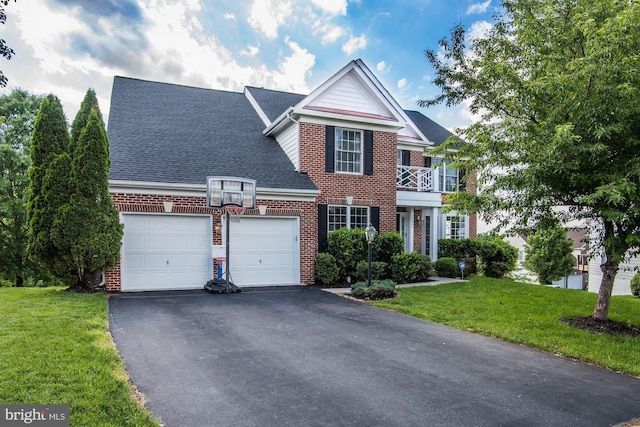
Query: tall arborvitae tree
[89,102]
[50,139]
[87,230]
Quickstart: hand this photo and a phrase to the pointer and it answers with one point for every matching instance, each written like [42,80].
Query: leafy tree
[549,254]
[557,86]
[87,231]
[89,102]
[17,114]
[50,139]
[5,50]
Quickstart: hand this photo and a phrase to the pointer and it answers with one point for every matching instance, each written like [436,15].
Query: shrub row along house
[345,155]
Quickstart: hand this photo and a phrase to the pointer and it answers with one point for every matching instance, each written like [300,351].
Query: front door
[402,227]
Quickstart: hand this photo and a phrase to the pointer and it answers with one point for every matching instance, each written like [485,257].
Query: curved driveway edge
[298,356]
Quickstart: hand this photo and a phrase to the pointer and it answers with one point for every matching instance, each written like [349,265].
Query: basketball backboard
[231,191]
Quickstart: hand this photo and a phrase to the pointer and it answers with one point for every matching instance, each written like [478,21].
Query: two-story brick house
[345,155]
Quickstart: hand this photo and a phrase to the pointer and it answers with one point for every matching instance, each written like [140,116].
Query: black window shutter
[427,162]
[322,228]
[406,158]
[462,185]
[368,152]
[329,148]
[374,217]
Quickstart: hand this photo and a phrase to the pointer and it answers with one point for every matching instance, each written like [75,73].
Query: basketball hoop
[234,213]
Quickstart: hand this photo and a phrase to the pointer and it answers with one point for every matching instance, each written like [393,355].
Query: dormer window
[348,151]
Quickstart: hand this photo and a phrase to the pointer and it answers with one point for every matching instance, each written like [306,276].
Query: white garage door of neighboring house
[264,251]
[165,252]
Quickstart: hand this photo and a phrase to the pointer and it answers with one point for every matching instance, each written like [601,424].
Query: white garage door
[264,251]
[166,252]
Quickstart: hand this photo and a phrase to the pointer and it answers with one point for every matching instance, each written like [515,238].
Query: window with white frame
[448,178]
[347,216]
[454,227]
[348,151]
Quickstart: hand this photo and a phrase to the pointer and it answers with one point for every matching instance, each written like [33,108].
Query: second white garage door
[265,251]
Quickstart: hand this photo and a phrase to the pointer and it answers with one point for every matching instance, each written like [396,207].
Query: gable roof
[432,130]
[274,102]
[168,133]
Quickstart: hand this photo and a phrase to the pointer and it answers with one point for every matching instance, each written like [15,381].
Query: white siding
[621,285]
[289,140]
[349,94]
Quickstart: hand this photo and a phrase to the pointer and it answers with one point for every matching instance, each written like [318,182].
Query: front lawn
[527,314]
[55,348]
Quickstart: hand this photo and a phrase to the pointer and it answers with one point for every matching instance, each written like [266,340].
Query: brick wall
[378,189]
[306,211]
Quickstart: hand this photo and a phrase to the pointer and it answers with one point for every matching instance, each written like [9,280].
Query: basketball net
[234,212]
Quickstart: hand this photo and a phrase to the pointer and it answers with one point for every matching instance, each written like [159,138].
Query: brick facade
[378,189]
[154,203]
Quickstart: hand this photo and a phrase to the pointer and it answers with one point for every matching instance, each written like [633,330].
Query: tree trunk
[609,271]
[19,281]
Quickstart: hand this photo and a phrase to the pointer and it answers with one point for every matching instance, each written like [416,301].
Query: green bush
[447,267]
[378,270]
[348,247]
[386,246]
[495,257]
[379,289]
[327,271]
[635,285]
[410,268]
[460,250]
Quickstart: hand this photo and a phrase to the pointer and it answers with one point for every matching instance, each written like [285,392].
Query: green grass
[55,348]
[527,314]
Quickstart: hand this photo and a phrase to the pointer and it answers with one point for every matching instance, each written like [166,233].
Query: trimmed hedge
[410,268]
[378,270]
[379,289]
[447,267]
[327,271]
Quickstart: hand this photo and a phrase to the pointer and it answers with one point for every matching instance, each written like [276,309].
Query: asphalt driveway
[301,357]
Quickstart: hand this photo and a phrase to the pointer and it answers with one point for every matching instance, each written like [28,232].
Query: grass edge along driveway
[55,348]
[527,314]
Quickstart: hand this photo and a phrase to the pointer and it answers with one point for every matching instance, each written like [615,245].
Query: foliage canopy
[556,84]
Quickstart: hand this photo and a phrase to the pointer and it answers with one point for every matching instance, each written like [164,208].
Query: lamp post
[370,233]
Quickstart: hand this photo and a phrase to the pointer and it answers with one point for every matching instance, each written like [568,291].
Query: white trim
[200,190]
[256,106]
[323,117]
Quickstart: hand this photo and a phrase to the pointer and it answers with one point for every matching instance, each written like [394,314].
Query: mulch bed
[603,326]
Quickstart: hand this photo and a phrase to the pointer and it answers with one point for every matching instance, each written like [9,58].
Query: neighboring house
[345,155]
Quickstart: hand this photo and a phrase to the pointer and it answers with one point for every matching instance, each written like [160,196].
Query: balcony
[416,178]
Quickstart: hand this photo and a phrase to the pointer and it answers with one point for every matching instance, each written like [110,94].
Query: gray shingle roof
[274,102]
[432,130]
[161,132]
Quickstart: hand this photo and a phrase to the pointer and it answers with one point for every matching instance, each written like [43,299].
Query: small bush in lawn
[410,268]
[327,271]
[378,270]
[379,289]
[447,267]
[635,285]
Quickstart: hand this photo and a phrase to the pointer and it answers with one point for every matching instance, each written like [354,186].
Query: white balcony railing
[415,178]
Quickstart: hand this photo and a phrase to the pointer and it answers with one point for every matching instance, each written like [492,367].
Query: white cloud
[478,7]
[479,29]
[334,7]
[266,16]
[229,16]
[354,44]
[382,67]
[402,83]
[331,33]
[250,50]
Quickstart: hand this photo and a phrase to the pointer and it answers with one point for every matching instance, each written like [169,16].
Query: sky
[65,47]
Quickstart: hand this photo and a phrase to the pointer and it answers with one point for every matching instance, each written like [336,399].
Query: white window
[454,227]
[348,151]
[347,216]
[448,178]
